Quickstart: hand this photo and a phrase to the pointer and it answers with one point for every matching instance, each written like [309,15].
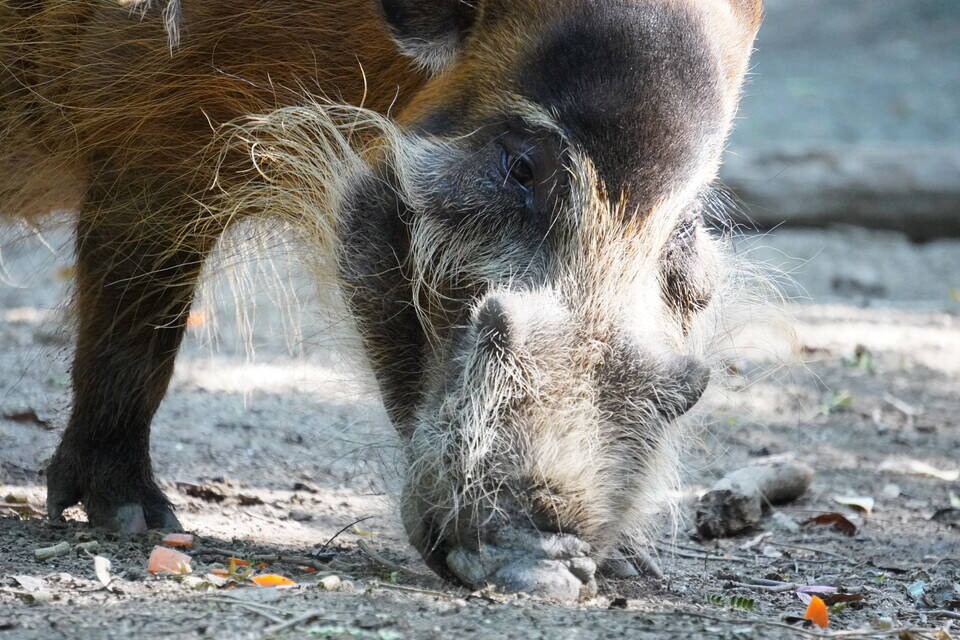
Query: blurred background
[850,123]
[853,115]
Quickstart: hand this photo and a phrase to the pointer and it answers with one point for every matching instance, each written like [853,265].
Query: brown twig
[697,549]
[249,607]
[943,613]
[310,616]
[400,587]
[705,556]
[733,577]
[298,560]
[269,558]
[387,564]
[813,550]
[262,605]
[337,534]
[771,588]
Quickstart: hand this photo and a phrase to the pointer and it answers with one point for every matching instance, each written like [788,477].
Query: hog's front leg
[136,275]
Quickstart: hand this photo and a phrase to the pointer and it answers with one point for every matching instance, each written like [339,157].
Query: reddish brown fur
[90,86]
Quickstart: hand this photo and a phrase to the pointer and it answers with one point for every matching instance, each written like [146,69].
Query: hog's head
[525,259]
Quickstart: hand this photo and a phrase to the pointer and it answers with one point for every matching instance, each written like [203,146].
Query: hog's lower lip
[553,566]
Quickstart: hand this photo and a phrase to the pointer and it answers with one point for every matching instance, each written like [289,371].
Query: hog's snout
[549,565]
[535,449]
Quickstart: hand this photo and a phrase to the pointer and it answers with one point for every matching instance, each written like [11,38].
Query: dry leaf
[101,568]
[204,492]
[29,583]
[860,503]
[919,468]
[837,598]
[837,520]
[807,592]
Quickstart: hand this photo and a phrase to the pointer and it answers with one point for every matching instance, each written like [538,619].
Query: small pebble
[301,516]
[331,583]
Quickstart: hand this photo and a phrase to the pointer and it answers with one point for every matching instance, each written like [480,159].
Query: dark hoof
[133,518]
[122,504]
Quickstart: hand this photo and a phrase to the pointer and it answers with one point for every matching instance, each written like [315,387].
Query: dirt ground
[268,458]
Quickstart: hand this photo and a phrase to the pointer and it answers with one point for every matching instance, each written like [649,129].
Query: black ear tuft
[429,31]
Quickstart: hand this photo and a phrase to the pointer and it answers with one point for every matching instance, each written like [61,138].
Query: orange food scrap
[307,569]
[271,580]
[178,540]
[817,612]
[237,561]
[164,559]
[261,565]
[220,572]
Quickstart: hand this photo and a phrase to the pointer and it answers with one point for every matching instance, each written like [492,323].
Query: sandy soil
[274,455]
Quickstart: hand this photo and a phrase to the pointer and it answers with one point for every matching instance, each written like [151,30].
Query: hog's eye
[517,170]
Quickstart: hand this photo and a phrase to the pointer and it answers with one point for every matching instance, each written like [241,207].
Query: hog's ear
[429,31]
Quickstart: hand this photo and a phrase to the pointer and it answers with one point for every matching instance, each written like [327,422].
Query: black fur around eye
[516,169]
